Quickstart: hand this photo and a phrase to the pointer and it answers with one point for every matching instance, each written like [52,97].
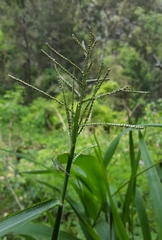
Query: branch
[158,64]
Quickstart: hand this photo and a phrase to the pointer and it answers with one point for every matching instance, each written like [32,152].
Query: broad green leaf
[88,199]
[10,223]
[63,158]
[116,227]
[86,194]
[41,232]
[91,174]
[154,184]
[142,216]
[38,231]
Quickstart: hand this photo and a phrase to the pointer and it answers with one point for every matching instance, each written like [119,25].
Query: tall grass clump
[99,216]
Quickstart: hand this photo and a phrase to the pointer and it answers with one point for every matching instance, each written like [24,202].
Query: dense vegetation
[34,129]
[128,33]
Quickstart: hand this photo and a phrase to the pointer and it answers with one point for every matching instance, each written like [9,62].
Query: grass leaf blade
[9,224]
[154,184]
[142,216]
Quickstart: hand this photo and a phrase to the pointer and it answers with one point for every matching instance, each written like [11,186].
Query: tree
[27,26]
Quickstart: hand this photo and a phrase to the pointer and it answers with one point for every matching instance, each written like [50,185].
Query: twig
[158,64]
[13,193]
[130,112]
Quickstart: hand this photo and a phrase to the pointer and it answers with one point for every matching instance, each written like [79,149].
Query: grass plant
[99,215]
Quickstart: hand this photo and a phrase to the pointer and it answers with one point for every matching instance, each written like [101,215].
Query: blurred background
[129,34]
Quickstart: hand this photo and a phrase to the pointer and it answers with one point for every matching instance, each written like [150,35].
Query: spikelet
[78,88]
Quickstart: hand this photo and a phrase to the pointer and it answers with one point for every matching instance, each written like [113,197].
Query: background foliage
[129,33]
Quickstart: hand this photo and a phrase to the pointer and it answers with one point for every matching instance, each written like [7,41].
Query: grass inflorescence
[80,107]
